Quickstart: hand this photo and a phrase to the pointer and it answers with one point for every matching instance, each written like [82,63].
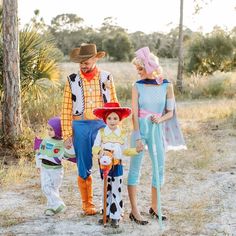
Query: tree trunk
[11,110]
[180,50]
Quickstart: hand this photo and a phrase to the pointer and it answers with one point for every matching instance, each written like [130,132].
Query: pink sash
[145,114]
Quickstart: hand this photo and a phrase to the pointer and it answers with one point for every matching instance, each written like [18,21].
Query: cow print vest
[77,90]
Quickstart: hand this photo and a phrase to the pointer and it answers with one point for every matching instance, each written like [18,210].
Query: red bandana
[90,75]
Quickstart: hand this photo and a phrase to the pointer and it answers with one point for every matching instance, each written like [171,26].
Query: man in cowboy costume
[88,89]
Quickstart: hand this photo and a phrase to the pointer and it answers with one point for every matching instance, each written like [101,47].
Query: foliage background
[210,62]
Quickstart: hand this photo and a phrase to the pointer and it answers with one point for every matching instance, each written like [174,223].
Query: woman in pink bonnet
[155,125]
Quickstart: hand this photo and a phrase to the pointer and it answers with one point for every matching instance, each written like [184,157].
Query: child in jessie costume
[112,141]
[84,91]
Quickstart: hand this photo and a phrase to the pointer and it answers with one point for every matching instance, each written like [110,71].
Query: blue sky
[147,16]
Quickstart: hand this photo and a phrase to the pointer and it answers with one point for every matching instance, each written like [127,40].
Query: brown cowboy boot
[83,192]
[90,210]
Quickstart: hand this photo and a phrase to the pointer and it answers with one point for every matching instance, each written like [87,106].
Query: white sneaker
[61,209]
[49,212]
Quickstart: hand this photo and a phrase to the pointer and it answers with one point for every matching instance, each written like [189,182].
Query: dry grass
[199,119]
[205,135]
[196,214]
[203,148]
[217,85]
[8,218]
[204,125]
[16,174]
[39,198]
[188,216]
[203,110]
[124,73]
[200,155]
[69,166]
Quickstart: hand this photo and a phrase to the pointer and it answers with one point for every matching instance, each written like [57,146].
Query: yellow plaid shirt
[92,100]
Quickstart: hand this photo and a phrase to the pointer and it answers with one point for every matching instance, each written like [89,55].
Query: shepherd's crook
[157,176]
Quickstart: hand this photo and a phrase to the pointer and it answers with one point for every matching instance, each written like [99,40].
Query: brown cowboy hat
[85,52]
[100,112]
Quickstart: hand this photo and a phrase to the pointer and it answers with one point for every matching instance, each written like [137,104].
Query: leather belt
[77,118]
[81,118]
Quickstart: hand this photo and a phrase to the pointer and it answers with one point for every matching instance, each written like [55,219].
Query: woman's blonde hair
[138,62]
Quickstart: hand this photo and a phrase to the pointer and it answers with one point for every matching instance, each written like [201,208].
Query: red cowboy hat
[112,107]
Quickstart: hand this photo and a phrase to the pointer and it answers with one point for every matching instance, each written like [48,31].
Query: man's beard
[87,70]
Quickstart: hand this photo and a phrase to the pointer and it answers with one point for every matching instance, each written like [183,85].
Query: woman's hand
[156,119]
[139,145]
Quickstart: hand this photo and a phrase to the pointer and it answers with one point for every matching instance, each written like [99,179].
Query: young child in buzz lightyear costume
[49,154]
[112,141]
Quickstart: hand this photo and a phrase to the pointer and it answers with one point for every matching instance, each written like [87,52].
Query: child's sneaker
[49,212]
[100,221]
[61,208]
[114,223]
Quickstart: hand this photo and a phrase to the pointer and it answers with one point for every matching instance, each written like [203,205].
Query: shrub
[211,53]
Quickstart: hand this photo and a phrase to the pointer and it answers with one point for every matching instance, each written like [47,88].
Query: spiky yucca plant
[38,64]
[39,74]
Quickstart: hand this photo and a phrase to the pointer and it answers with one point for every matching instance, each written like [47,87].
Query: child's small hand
[38,132]
[102,153]
[138,150]
[38,170]
[139,145]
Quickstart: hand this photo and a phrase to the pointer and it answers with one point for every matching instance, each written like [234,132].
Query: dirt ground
[198,196]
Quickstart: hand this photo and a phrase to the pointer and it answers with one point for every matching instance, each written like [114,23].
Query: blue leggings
[155,148]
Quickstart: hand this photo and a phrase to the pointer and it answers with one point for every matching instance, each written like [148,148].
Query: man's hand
[68,143]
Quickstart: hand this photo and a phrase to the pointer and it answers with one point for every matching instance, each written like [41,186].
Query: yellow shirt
[115,141]
[92,100]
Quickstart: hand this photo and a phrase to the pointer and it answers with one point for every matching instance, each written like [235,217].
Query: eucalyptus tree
[67,22]
[68,30]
